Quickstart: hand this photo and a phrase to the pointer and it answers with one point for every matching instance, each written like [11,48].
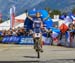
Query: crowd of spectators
[20,31]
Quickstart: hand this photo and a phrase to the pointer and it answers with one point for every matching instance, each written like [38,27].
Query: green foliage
[52,13]
[1,21]
[48,9]
[55,12]
[73,10]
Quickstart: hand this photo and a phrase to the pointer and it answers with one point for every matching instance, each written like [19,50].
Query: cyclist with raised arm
[37,25]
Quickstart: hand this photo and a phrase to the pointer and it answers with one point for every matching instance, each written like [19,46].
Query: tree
[1,20]
[55,12]
[73,10]
[48,9]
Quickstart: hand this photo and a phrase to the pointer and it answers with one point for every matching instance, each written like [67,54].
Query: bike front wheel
[38,48]
[38,54]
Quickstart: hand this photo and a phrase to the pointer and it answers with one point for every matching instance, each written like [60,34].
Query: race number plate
[37,35]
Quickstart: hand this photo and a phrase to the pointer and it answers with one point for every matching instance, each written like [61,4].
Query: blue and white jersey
[37,24]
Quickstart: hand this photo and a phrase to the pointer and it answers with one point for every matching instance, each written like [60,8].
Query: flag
[54,34]
[12,17]
[73,18]
[68,19]
[45,39]
[55,38]
[63,28]
[68,36]
[34,9]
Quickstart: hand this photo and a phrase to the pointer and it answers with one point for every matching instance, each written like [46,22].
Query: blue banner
[26,40]
[9,39]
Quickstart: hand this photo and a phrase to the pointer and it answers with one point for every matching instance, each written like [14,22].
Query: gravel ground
[26,54]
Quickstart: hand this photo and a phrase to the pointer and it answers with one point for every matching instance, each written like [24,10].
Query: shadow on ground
[49,61]
[30,56]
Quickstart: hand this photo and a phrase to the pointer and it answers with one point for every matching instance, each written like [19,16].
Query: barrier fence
[28,40]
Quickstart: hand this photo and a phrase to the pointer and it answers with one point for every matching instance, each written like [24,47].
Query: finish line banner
[26,40]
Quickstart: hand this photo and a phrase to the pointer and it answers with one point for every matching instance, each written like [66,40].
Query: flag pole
[12,17]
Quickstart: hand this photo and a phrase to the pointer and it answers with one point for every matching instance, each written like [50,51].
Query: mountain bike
[37,44]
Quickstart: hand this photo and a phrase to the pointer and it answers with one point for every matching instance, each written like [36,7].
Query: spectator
[30,33]
[14,32]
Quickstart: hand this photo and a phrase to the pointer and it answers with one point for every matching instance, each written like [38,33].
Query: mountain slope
[22,5]
[63,5]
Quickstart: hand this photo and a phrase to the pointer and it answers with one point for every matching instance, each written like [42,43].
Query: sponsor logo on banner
[11,39]
[26,40]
